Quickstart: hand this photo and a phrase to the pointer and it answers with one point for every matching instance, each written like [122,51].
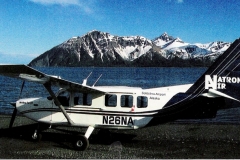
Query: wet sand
[169,140]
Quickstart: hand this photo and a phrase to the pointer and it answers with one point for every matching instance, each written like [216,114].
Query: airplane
[123,107]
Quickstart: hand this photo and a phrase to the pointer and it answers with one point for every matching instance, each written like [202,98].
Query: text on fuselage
[154,93]
[24,102]
[218,82]
[118,120]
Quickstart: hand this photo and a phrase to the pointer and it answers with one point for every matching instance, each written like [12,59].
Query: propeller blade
[13,117]
[15,108]
[21,89]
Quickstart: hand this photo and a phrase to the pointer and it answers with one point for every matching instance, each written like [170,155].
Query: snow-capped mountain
[163,39]
[104,44]
[98,48]
[175,47]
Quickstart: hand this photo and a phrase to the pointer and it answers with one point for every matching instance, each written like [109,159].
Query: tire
[81,143]
[36,137]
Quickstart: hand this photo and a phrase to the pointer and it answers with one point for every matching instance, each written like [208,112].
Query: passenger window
[142,102]
[110,100]
[126,100]
[83,99]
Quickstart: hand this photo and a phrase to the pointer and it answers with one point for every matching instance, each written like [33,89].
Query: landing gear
[36,136]
[37,133]
[81,143]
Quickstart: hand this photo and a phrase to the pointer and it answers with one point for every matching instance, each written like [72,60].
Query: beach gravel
[170,140]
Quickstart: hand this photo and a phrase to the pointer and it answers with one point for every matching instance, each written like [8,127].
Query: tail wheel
[81,143]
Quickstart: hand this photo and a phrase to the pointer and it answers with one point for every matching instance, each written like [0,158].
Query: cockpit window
[126,100]
[83,99]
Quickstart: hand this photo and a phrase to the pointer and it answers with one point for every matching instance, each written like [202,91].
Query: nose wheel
[36,136]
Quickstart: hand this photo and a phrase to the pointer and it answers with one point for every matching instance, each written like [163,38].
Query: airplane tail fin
[223,75]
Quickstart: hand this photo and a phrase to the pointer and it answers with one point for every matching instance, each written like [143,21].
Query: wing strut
[48,87]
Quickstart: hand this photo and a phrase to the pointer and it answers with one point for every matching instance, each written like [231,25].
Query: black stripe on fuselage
[93,112]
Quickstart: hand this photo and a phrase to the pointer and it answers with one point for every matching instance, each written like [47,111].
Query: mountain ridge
[97,48]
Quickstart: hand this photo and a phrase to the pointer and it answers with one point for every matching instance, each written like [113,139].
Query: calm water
[136,77]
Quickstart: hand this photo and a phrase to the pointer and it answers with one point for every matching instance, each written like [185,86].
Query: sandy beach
[171,140]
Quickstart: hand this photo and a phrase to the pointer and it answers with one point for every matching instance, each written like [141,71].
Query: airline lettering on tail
[219,82]
[118,120]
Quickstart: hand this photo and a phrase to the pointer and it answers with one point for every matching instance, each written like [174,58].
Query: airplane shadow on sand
[62,137]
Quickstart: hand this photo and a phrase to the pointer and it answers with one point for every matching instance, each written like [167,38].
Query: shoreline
[170,140]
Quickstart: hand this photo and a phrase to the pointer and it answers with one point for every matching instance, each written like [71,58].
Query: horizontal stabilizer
[215,92]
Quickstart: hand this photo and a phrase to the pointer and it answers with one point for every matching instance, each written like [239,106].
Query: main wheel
[81,143]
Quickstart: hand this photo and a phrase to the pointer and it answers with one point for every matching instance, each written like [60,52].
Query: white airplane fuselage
[121,108]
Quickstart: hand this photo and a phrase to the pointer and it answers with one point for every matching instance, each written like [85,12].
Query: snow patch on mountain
[176,47]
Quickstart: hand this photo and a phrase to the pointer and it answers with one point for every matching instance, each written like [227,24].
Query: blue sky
[30,27]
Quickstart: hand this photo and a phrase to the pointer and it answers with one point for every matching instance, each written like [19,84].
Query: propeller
[15,108]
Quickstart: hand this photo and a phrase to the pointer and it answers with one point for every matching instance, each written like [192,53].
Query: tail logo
[219,82]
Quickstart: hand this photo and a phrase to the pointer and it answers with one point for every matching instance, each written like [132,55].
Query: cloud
[83,4]
[177,1]
[60,2]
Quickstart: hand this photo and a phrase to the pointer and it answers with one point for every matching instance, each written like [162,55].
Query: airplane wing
[27,73]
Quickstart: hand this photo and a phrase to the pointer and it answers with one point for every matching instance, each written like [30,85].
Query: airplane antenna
[85,80]
[97,80]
